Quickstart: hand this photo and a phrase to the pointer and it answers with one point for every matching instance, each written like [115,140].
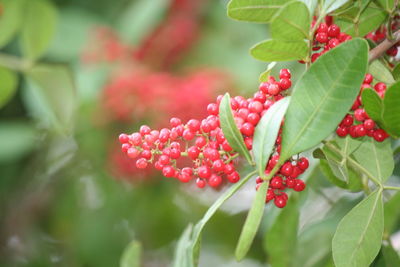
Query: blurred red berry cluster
[381,34]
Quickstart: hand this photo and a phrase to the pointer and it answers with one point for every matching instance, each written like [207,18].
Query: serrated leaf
[381,72]
[254,10]
[266,133]
[370,20]
[252,222]
[8,85]
[391,110]
[292,23]
[278,50]
[392,213]
[38,28]
[359,235]
[265,75]
[331,5]
[376,158]
[373,104]
[131,255]
[230,130]
[55,86]
[10,20]
[323,95]
[281,238]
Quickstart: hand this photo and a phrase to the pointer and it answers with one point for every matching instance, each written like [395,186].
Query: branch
[383,47]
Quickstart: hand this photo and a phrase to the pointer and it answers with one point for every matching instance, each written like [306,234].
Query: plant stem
[391,188]
[14,63]
[379,50]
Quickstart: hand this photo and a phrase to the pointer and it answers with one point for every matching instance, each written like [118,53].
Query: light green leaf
[230,130]
[254,10]
[131,255]
[391,107]
[55,86]
[388,5]
[252,222]
[8,85]
[330,175]
[278,50]
[392,213]
[266,133]
[183,256]
[373,104]
[376,158]
[322,96]
[370,20]
[38,27]
[265,75]
[359,235]
[381,72]
[292,23]
[311,5]
[10,19]
[280,240]
[331,5]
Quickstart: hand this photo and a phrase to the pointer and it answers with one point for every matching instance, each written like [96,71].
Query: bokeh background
[69,197]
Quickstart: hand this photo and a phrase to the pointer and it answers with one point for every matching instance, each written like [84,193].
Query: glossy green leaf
[230,130]
[278,50]
[54,84]
[254,10]
[10,19]
[131,255]
[359,235]
[252,222]
[331,5]
[391,113]
[373,104]
[396,72]
[266,133]
[265,75]
[281,238]
[381,72]
[370,20]
[292,23]
[392,213]
[390,256]
[8,85]
[328,173]
[323,95]
[376,158]
[38,27]
[388,5]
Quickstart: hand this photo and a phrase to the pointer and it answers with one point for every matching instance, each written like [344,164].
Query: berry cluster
[357,123]
[327,36]
[381,33]
[198,149]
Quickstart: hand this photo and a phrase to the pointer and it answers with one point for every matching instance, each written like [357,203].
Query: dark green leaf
[373,104]
[38,27]
[386,4]
[55,86]
[230,130]
[265,75]
[323,95]
[252,222]
[391,113]
[131,255]
[359,235]
[396,72]
[8,85]
[254,10]
[381,72]
[292,23]
[392,213]
[390,255]
[278,50]
[266,133]
[10,19]
[281,239]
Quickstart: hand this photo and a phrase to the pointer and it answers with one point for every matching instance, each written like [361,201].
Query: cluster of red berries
[380,35]
[357,122]
[327,36]
[203,143]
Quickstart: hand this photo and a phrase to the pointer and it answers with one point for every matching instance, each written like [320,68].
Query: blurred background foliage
[74,74]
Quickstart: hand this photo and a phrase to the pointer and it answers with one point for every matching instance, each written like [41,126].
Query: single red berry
[141,163]
[204,172]
[342,131]
[175,122]
[215,180]
[379,135]
[144,129]
[193,152]
[333,42]
[360,130]
[256,107]
[287,169]
[212,109]
[284,73]
[347,121]
[188,135]
[164,135]
[260,97]
[226,146]
[193,125]
[299,186]
[248,141]
[184,177]
[218,165]
[296,172]
[321,37]
[369,124]
[133,152]
[247,129]
[229,168]
[303,163]
[323,27]
[253,118]
[234,177]
[243,113]
[290,183]
[211,153]
[200,183]
[368,78]
[280,201]
[168,171]
[285,83]
[123,138]
[136,139]
[264,87]
[200,141]
[158,165]
[356,104]
[276,182]
[352,131]
[125,147]
[164,159]
[359,114]
[315,56]
[273,89]
[146,154]
[270,195]
[333,30]
[379,87]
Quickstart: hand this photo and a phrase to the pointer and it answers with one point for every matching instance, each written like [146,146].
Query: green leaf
[391,111]
[331,5]
[392,213]
[55,86]
[230,130]
[266,133]
[182,256]
[311,5]
[265,75]
[390,255]
[376,158]
[10,20]
[328,173]
[359,235]
[370,20]
[38,27]
[8,85]
[381,72]
[281,239]
[252,222]
[254,10]
[278,50]
[323,95]
[373,104]
[396,72]
[131,255]
[388,5]
[292,23]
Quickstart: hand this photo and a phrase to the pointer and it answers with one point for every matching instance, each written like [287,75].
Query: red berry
[125,147]
[280,201]
[253,118]
[144,129]
[322,37]
[229,169]
[175,122]
[276,182]
[218,165]
[333,30]
[168,171]
[141,163]
[264,87]
[287,169]
[285,83]
[273,89]
[193,125]
[136,139]
[360,130]
[146,154]
[200,183]
[184,177]
[379,87]
[204,172]
[212,109]
[234,177]
[368,78]
[133,152]
[347,121]
[359,114]
[299,186]
[284,73]
[369,124]
[247,129]
[322,28]
[215,180]
[255,106]
[123,138]
[333,42]
[270,195]
[379,135]
[290,183]
[303,163]
[342,131]
[260,97]
[200,141]
[193,152]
